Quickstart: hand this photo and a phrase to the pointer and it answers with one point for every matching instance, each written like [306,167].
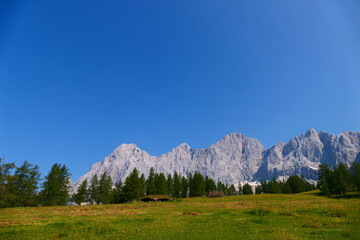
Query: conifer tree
[247,189]
[118,195]
[356,174]
[133,187]
[176,185]
[184,187]
[56,186]
[239,188]
[258,189]
[105,186]
[210,185]
[232,190]
[197,185]
[94,190]
[150,183]
[82,194]
[170,184]
[325,177]
[160,183]
[25,184]
[6,179]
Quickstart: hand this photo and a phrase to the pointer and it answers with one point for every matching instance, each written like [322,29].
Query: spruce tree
[160,183]
[247,189]
[239,188]
[56,186]
[356,174]
[118,195]
[105,189]
[176,185]
[210,185]
[197,185]
[150,183]
[325,177]
[170,185]
[133,187]
[82,194]
[342,178]
[258,189]
[232,190]
[26,179]
[94,190]
[6,179]
[184,187]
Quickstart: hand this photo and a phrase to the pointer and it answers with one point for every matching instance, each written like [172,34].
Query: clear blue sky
[79,78]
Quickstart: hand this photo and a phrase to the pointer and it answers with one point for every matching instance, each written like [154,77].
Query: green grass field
[266,216]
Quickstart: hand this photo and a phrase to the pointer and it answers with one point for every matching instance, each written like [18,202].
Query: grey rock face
[236,158]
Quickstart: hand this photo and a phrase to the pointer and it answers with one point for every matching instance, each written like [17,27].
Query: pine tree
[247,189]
[197,185]
[356,174]
[160,183]
[94,190]
[239,188]
[105,186]
[118,195]
[150,183]
[6,179]
[56,186]
[210,185]
[25,184]
[232,190]
[325,177]
[258,189]
[342,178]
[184,187]
[134,186]
[82,194]
[176,185]
[170,183]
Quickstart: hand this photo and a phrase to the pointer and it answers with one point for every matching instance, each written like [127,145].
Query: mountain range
[237,158]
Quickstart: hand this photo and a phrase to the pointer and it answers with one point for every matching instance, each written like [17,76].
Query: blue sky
[78,78]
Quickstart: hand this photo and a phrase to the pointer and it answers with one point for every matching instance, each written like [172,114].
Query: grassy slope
[297,216]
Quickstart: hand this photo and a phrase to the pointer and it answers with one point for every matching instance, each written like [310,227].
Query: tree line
[19,185]
[293,184]
[137,186]
[340,180]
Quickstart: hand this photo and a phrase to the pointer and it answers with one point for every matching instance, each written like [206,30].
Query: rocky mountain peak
[237,157]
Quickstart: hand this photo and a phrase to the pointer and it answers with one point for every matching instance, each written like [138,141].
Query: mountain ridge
[236,157]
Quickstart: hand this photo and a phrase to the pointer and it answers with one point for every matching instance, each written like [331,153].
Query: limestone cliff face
[236,158]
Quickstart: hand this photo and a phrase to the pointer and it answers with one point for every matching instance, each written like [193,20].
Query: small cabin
[156,199]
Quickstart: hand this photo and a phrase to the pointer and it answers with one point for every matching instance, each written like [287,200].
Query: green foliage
[82,194]
[94,190]
[134,187]
[56,186]
[25,184]
[355,170]
[247,189]
[170,185]
[161,184]
[177,185]
[184,187]
[197,185]
[6,179]
[150,183]
[258,189]
[105,191]
[210,185]
[338,181]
